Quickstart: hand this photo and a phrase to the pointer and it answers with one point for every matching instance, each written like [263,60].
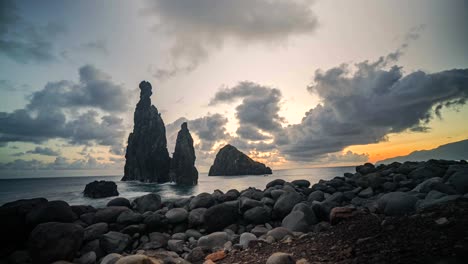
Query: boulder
[366,193]
[177,215]
[193,233]
[119,201]
[213,240]
[316,196]
[87,258]
[198,254]
[82,209]
[338,214]
[258,215]
[53,211]
[196,216]
[279,233]
[219,216]
[114,242]
[154,221]
[158,240]
[246,203]
[301,183]
[175,245]
[275,183]
[129,217]
[138,259]
[231,161]
[275,194]
[183,159]
[111,258]
[397,203]
[109,214]
[54,241]
[231,195]
[100,189]
[365,169]
[146,157]
[245,239]
[203,200]
[301,218]
[459,179]
[149,202]
[285,203]
[281,258]
[95,231]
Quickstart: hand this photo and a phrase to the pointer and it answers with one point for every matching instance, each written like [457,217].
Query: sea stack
[183,160]
[230,161]
[147,158]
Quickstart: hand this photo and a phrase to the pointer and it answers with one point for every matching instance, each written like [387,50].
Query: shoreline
[186,230]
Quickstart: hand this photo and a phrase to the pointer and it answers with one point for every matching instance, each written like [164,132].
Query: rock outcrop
[100,189]
[147,158]
[183,160]
[231,161]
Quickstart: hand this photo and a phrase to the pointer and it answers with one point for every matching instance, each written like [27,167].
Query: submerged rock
[183,160]
[100,189]
[231,161]
[147,158]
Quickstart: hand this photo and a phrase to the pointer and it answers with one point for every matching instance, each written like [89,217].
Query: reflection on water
[70,188]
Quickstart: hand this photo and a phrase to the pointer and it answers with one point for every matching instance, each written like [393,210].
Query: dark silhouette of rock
[100,189]
[147,158]
[231,161]
[183,160]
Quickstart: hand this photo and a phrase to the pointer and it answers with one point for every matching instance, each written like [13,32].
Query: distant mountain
[451,151]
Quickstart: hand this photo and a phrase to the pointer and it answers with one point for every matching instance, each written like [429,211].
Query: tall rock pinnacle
[147,158]
[183,160]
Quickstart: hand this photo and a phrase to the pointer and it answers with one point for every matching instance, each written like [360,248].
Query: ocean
[70,189]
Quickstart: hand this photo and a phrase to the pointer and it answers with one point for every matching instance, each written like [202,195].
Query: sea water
[70,189]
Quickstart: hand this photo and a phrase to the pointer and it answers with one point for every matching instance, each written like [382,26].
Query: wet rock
[219,216]
[119,201]
[53,241]
[196,216]
[129,217]
[114,242]
[53,211]
[258,215]
[109,214]
[147,158]
[183,160]
[149,202]
[100,189]
[95,231]
[276,182]
[301,183]
[316,196]
[285,203]
[177,215]
[230,161]
[203,200]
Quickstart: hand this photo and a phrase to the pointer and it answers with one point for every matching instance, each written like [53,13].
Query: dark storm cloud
[258,110]
[69,111]
[23,41]
[202,26]
[364,105]
[95,89]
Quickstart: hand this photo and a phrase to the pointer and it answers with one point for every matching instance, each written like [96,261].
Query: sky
[292,83]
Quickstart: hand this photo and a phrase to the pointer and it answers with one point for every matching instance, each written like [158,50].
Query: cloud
[44,151]
[23,41]
[258,111]
[9,86]
[200,27]
[97,46]
[364,104]
[209,129]
[61,163]
[81,113]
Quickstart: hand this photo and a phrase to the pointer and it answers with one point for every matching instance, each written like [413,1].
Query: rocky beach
[412,212]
